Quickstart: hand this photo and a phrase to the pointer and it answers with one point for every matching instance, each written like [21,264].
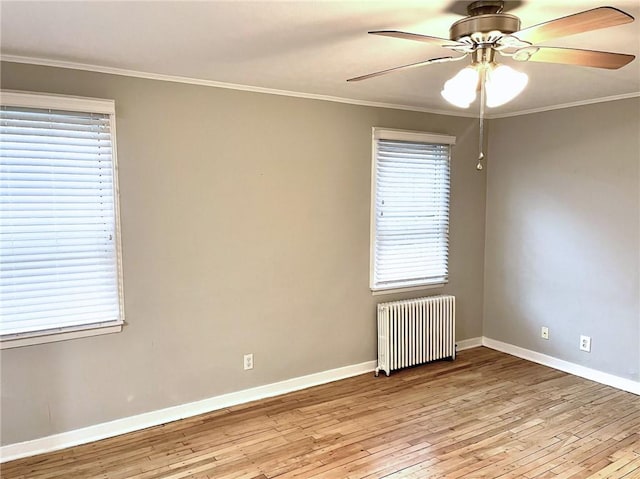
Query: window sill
[42,337]
[378,292]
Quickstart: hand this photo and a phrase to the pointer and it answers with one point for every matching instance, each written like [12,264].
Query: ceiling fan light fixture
[460,90]
[487,31]
[503,84]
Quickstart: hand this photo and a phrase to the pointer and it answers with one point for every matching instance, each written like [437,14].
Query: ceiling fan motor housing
[484,24]
[485,16]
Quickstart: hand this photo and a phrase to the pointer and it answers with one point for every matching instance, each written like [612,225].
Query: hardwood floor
[486,415]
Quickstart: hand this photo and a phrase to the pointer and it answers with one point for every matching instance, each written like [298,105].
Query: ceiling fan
[488,33]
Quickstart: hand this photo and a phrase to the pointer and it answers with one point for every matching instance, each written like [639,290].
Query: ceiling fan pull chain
[483,78]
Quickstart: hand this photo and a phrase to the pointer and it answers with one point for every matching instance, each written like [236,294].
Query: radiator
[415,331]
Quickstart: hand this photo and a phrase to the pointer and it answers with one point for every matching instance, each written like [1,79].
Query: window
[410,209]
[59,234]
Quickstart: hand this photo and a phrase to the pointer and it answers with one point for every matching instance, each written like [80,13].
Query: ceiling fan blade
[406,67]
[573,56]
[443,42]
[601,17]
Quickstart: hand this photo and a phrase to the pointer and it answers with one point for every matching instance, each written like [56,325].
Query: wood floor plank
[485,415]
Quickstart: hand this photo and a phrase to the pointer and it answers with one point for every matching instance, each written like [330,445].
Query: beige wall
[562,242]
[245,228]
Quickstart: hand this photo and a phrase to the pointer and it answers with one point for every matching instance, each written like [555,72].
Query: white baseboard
[162,416]
[468,343]
[566,366]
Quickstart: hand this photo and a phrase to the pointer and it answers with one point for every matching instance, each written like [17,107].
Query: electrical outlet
[544,332]
[585,343]
[248,361]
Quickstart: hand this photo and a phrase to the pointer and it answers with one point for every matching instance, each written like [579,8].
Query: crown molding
[562,106]
[216,84]
[272,91]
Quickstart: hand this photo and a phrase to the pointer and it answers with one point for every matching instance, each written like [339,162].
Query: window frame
[13,98]
[378,133]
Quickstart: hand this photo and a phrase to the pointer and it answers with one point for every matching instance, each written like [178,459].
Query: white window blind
[410,209]
[59,267]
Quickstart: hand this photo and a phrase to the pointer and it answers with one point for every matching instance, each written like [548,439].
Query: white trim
[218,84]
[116,214]
[42,337]
[24,99]
[562,106]
[566,366]
[411,135]
[468,343]
[372,212]
[162,416]
[381,133]
[272,91]
[396,289]
[57,102]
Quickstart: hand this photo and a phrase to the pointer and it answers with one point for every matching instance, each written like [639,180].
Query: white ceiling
[308,47]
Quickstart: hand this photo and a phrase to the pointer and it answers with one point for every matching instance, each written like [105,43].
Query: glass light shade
[461,89]
[503,84]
